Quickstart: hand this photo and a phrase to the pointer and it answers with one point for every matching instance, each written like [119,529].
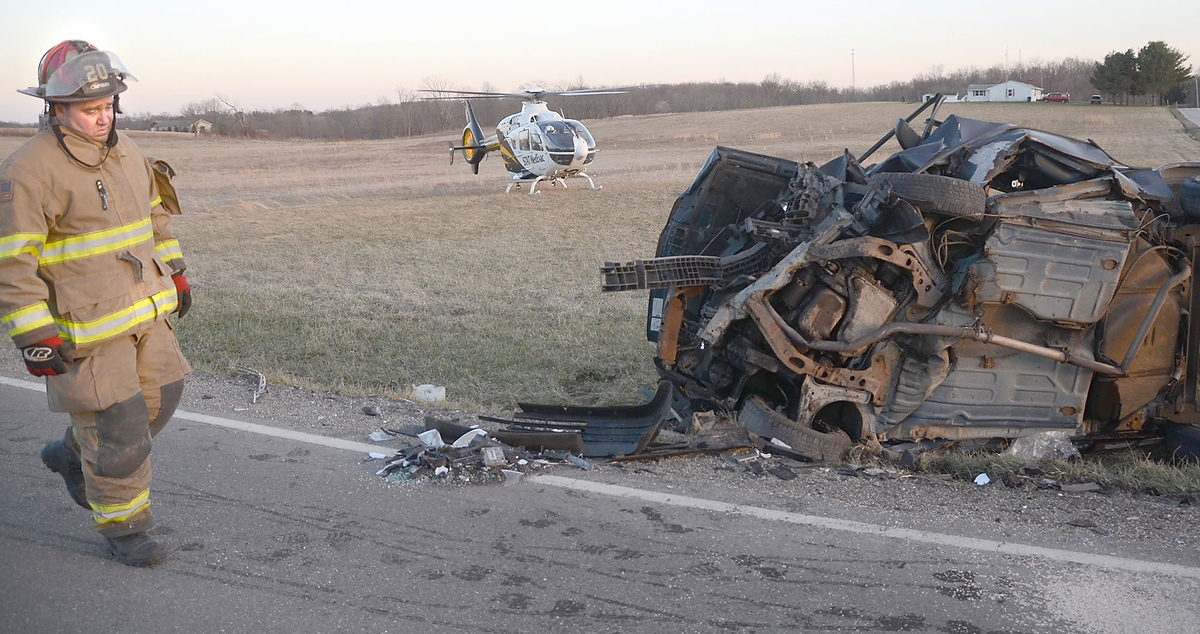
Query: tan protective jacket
[85,253]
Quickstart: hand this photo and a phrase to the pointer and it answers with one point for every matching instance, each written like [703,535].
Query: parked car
[987,281]
[1059,97]
[1097,99]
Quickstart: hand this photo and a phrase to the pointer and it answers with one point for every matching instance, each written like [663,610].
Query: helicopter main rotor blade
[475,94]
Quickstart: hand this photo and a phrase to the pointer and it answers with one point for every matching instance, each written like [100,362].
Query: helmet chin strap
[109,143]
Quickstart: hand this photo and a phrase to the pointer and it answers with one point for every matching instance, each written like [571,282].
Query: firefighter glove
[46,357]
[183,292]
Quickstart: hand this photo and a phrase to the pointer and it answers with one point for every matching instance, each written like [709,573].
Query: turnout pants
[119,395]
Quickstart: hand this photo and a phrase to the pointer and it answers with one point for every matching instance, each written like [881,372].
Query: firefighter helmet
[74,71]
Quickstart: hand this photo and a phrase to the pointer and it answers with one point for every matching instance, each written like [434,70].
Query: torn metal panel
[1060,261]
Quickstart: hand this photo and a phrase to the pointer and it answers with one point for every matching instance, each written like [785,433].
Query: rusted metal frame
[924,281]
[937,330]
[773,329]
[779,276]
[878,144]
[1151,315]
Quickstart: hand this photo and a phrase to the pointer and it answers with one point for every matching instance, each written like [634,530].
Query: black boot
[62,457]
[138,549]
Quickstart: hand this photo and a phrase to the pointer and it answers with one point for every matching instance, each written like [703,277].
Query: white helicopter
[537,143]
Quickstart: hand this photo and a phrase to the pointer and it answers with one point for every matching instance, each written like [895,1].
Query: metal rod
[937,98]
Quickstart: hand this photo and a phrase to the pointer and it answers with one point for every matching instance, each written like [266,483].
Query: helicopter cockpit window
[535,142]
[582,131]
[523,140]
[560,135]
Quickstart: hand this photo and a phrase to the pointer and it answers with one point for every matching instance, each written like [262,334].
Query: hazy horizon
[265,57]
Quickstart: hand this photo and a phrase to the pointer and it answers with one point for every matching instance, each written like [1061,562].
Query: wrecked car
[987,281]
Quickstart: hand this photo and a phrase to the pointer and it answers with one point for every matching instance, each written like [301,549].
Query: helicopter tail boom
[474,145]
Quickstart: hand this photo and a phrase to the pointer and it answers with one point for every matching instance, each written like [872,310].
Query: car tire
[759,419]
[1182,441]
[1189,196]
[936,194]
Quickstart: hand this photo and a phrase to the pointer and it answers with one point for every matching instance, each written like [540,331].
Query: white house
[1007,91]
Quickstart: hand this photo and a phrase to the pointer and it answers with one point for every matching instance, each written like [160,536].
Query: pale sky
[323,55]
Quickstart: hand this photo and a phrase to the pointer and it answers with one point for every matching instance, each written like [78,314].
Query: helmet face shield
[89,75]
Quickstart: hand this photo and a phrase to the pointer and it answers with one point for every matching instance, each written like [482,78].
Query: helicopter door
[523,140]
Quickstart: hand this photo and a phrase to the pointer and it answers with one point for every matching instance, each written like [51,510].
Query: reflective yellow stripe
[168,250]
[120,512]
[98,242]
[121,321]
[18,243]
[156,202]
[27,319]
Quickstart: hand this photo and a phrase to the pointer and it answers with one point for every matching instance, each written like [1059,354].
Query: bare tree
[446,108]
[238,115]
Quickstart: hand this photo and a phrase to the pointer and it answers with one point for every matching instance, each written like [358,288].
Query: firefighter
[89,272]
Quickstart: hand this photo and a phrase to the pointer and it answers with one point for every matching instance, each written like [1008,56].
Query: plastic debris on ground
[380,435]
[428,393]
[473,458]
[1047,445]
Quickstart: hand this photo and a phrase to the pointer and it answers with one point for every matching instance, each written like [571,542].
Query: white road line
[24,385]
[816,521]
[314,439]
[928,537]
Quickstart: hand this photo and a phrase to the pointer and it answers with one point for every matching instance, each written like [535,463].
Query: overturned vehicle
[985,282]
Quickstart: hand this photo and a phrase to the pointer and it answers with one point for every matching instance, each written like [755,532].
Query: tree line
[1156,71]
[1154,74]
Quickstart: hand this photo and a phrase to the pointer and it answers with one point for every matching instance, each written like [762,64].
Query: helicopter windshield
[583,132]
[559,136]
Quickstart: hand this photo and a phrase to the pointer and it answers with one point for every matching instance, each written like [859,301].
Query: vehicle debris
[473,457]
[1047,445]
[260,387]
[987,281]
[428,393]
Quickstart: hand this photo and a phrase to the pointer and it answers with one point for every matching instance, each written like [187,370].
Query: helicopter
[537,144]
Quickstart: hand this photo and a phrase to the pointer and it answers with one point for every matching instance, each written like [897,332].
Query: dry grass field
[366,267]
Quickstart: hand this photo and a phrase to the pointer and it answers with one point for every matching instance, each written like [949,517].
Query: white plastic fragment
[579,462]
[428,393]
[441,471]
[493,457]
[432,438]
[511,477]
[982,479]
[1047,445]
[779,443]
[465,439]
[376,456]
[379,435]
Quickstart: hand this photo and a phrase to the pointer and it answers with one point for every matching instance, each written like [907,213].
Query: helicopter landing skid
[553,181]
[520,181]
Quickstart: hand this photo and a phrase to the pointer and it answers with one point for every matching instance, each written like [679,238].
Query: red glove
[46,357]
[183,292]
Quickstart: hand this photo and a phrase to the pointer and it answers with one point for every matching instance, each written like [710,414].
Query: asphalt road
[1192,114]
[285,533]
